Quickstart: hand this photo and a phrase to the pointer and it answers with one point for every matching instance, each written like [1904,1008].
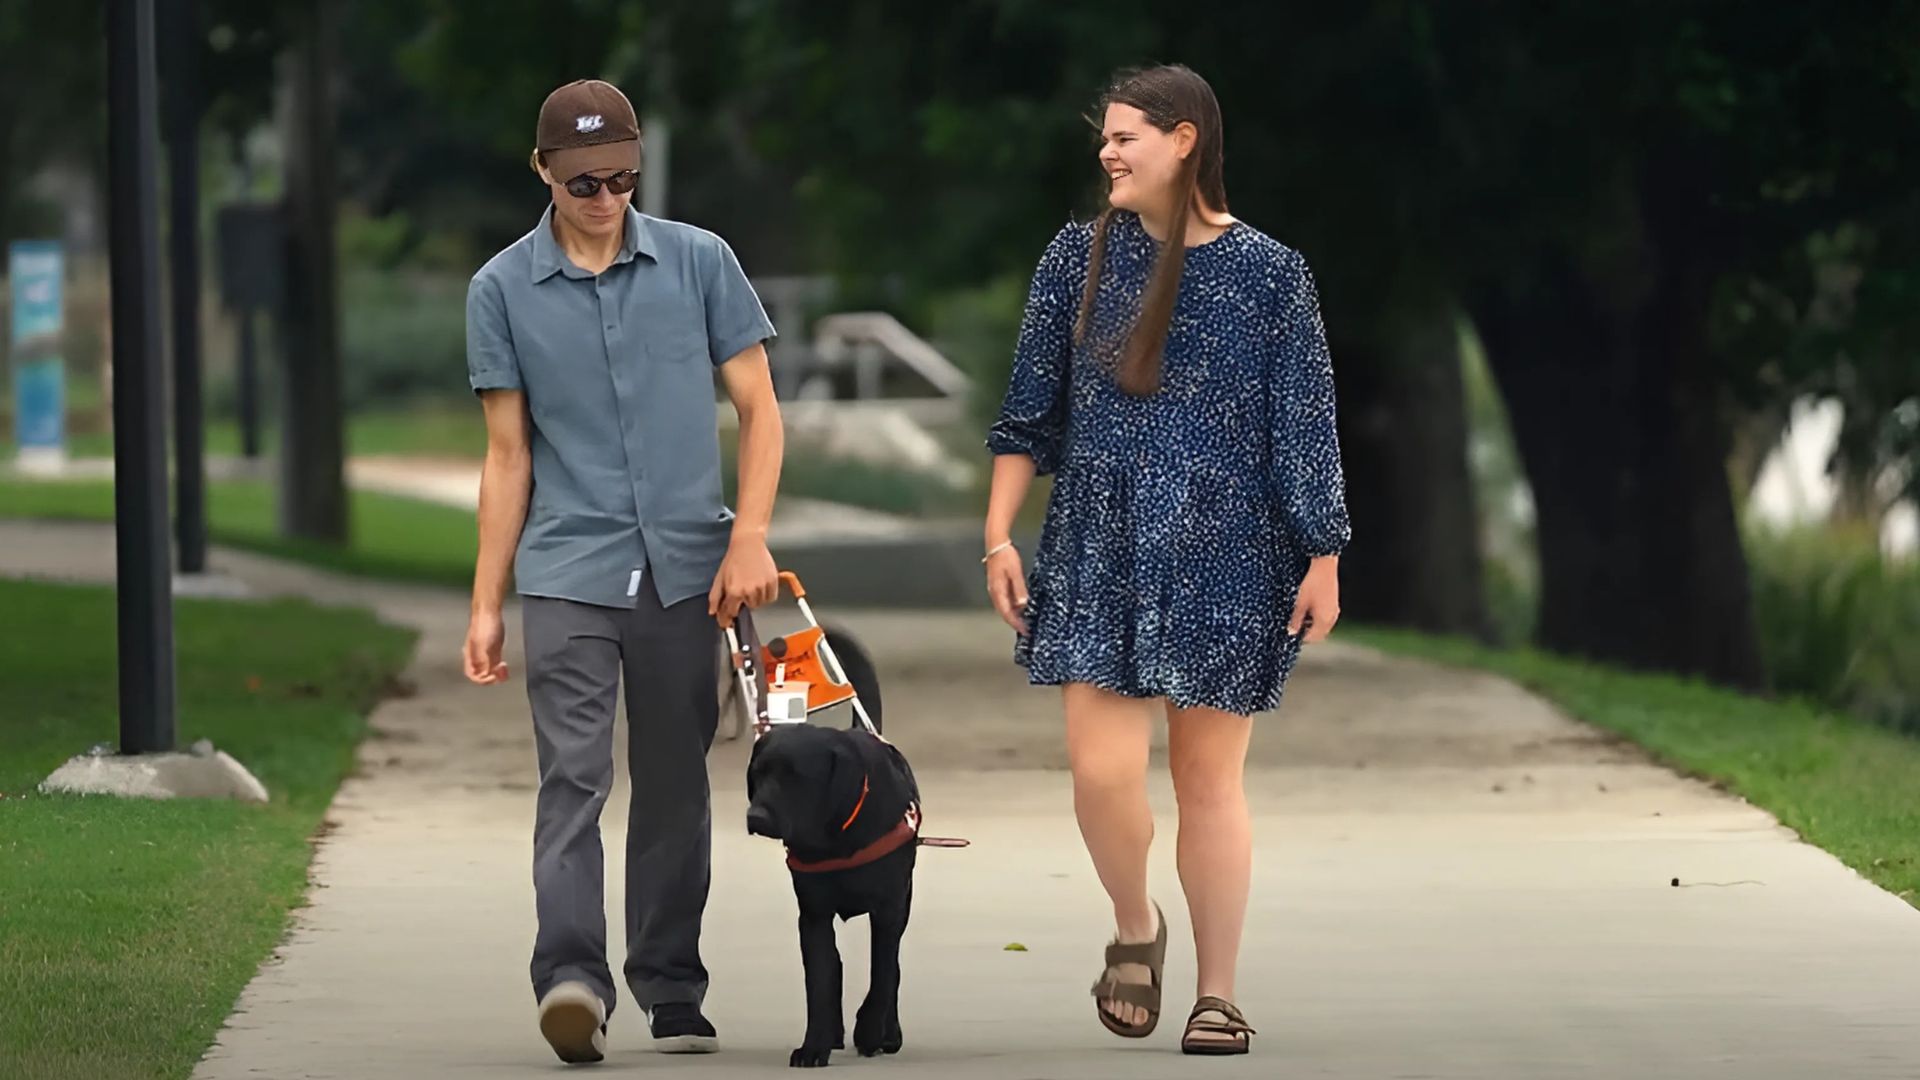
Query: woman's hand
[1318,606]
[1007,585]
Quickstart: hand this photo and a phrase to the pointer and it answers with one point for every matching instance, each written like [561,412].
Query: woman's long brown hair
[1167,96]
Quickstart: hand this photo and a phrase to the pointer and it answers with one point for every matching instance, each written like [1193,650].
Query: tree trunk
[1616,415]
[313,496]
[1415,556]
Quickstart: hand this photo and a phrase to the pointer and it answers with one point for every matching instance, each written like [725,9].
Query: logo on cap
[590,123]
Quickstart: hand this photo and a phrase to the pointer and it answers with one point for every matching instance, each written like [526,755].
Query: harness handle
[744,641]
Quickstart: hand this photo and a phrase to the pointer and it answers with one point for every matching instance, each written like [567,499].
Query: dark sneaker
[678,1028]
[574,1020]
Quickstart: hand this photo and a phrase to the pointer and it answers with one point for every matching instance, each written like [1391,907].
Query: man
[592,342]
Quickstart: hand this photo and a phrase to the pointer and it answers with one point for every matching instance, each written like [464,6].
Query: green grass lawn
[455,430]
[1844,784]
[129,927]
[396,539]
[445,430]
[437,430]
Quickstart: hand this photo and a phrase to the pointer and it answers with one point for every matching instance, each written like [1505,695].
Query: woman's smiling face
[1142,162]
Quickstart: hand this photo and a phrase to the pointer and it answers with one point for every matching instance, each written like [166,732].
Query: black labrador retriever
[846,805]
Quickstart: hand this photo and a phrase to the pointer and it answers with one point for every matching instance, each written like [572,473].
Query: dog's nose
[759,822]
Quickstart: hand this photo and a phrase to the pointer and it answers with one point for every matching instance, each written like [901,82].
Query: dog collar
[859,806]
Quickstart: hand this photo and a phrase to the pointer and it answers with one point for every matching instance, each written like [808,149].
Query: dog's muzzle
[760,823]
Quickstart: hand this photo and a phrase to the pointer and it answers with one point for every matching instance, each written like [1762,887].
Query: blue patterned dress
[1179,525]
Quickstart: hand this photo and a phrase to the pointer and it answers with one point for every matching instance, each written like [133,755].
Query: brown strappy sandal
[1233,1025]
[1151,954]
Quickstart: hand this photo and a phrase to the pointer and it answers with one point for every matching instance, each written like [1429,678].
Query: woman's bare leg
[1207,752]
[1108,737]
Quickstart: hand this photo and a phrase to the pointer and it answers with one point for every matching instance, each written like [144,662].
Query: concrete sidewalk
[1451,880]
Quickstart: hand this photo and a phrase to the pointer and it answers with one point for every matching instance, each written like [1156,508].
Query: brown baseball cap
[587,125]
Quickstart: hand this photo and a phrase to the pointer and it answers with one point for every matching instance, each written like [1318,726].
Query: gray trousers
[576,655]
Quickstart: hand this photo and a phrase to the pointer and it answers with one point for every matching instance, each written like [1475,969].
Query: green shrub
[403,336]
[978,330]
[1512,600]
[1839,622]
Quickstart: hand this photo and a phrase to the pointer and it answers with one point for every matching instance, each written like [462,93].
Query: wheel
[859,670]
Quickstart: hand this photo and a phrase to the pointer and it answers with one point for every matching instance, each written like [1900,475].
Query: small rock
[1676,883]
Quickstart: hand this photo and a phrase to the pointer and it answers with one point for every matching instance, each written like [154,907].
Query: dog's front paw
[875,1039]
[811,1057]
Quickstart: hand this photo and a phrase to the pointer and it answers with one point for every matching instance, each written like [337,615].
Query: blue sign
[36,269]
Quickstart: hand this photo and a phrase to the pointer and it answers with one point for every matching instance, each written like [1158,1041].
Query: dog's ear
[755,766]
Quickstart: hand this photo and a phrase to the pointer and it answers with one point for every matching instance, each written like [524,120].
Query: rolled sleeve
[491,364]
[735,318]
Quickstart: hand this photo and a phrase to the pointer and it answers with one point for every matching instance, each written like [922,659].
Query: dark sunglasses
[586,187]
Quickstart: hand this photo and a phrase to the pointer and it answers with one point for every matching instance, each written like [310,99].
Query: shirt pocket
[673,332]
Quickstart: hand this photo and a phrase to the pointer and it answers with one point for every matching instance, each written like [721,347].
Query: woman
[1181,396]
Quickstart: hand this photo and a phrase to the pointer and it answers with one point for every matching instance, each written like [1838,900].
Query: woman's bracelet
[995,550]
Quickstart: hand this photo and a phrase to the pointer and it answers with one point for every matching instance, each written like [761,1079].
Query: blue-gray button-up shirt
[618,373]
